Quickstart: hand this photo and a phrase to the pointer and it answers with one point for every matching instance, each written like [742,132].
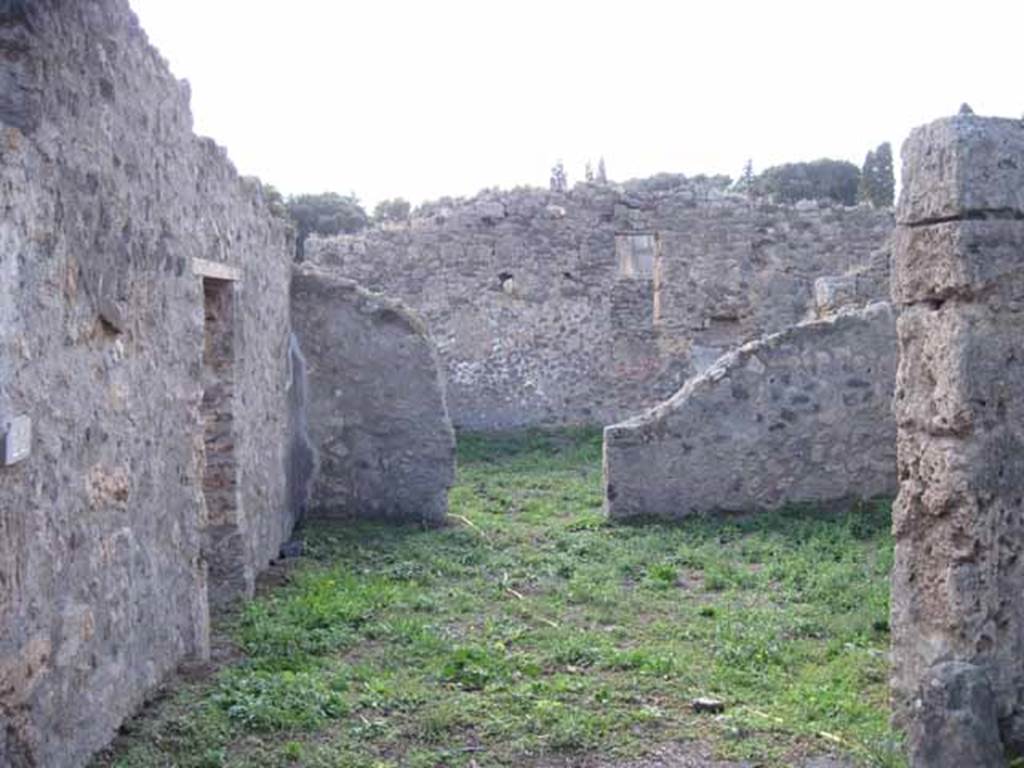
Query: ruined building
[587,307]
[175,395]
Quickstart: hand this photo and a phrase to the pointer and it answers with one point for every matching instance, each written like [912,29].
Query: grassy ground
[531,632]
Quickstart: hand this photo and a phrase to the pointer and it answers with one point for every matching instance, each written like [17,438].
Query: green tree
[877,181]
[275,201]
[886,175]
[745,183]
[835,180]
[395,210]
[602,174]
[325,214]
[866,171]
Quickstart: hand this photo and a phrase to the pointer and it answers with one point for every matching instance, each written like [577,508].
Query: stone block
[959,259]
[834,292]
[962,166]
[956,723]
[961,369]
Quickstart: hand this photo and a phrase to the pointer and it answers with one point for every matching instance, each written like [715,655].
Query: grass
[531,630]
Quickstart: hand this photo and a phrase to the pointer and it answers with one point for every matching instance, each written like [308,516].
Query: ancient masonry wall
[377,413]
[798,416]
[958,578]
[115,217]
[588,307]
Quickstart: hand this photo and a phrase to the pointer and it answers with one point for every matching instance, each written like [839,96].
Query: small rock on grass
[704,704]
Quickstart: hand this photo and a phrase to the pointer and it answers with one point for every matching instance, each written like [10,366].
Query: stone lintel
[215,270]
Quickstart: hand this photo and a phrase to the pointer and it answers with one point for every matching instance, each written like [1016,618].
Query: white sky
[424,98]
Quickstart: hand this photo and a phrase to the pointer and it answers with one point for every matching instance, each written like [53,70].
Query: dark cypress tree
[867,171]
[877,182]
[886,186]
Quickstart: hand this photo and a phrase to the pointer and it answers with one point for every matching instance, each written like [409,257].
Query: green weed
[541,628]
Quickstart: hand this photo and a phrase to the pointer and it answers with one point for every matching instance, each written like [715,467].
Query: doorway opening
[223,543]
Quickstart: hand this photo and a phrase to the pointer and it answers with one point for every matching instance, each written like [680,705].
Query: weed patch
[531,629]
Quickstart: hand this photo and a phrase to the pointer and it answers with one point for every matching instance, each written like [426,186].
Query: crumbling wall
[862,285]
[589,306]
[798,416]
[958,578]
[115,215]
[377,412]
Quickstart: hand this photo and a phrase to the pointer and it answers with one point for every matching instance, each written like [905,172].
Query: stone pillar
[958,577]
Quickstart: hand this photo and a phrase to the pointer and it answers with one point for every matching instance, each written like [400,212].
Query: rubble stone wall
[109,199]
[958,578]
[589,306]
[377,413]
[803,415]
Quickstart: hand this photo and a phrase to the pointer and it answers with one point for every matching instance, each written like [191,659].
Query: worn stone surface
[958,576]
[962,166]
[107,197]
[862,285]
[377,413]
[589,306]
[799,416]
[955,721]
[940,261]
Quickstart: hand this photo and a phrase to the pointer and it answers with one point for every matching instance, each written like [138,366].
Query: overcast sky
[424,98]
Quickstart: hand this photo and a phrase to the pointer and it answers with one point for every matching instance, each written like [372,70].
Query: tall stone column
[958,578]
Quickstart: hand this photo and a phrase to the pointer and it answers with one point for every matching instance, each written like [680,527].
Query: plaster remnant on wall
[377,412]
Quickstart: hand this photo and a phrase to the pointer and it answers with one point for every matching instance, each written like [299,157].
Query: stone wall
[115,215]
[589,306]
[798,416]
[958,578]
[377,412]
[858,287]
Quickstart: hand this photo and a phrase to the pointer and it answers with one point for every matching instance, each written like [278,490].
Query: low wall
[377,412]
[798,416]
